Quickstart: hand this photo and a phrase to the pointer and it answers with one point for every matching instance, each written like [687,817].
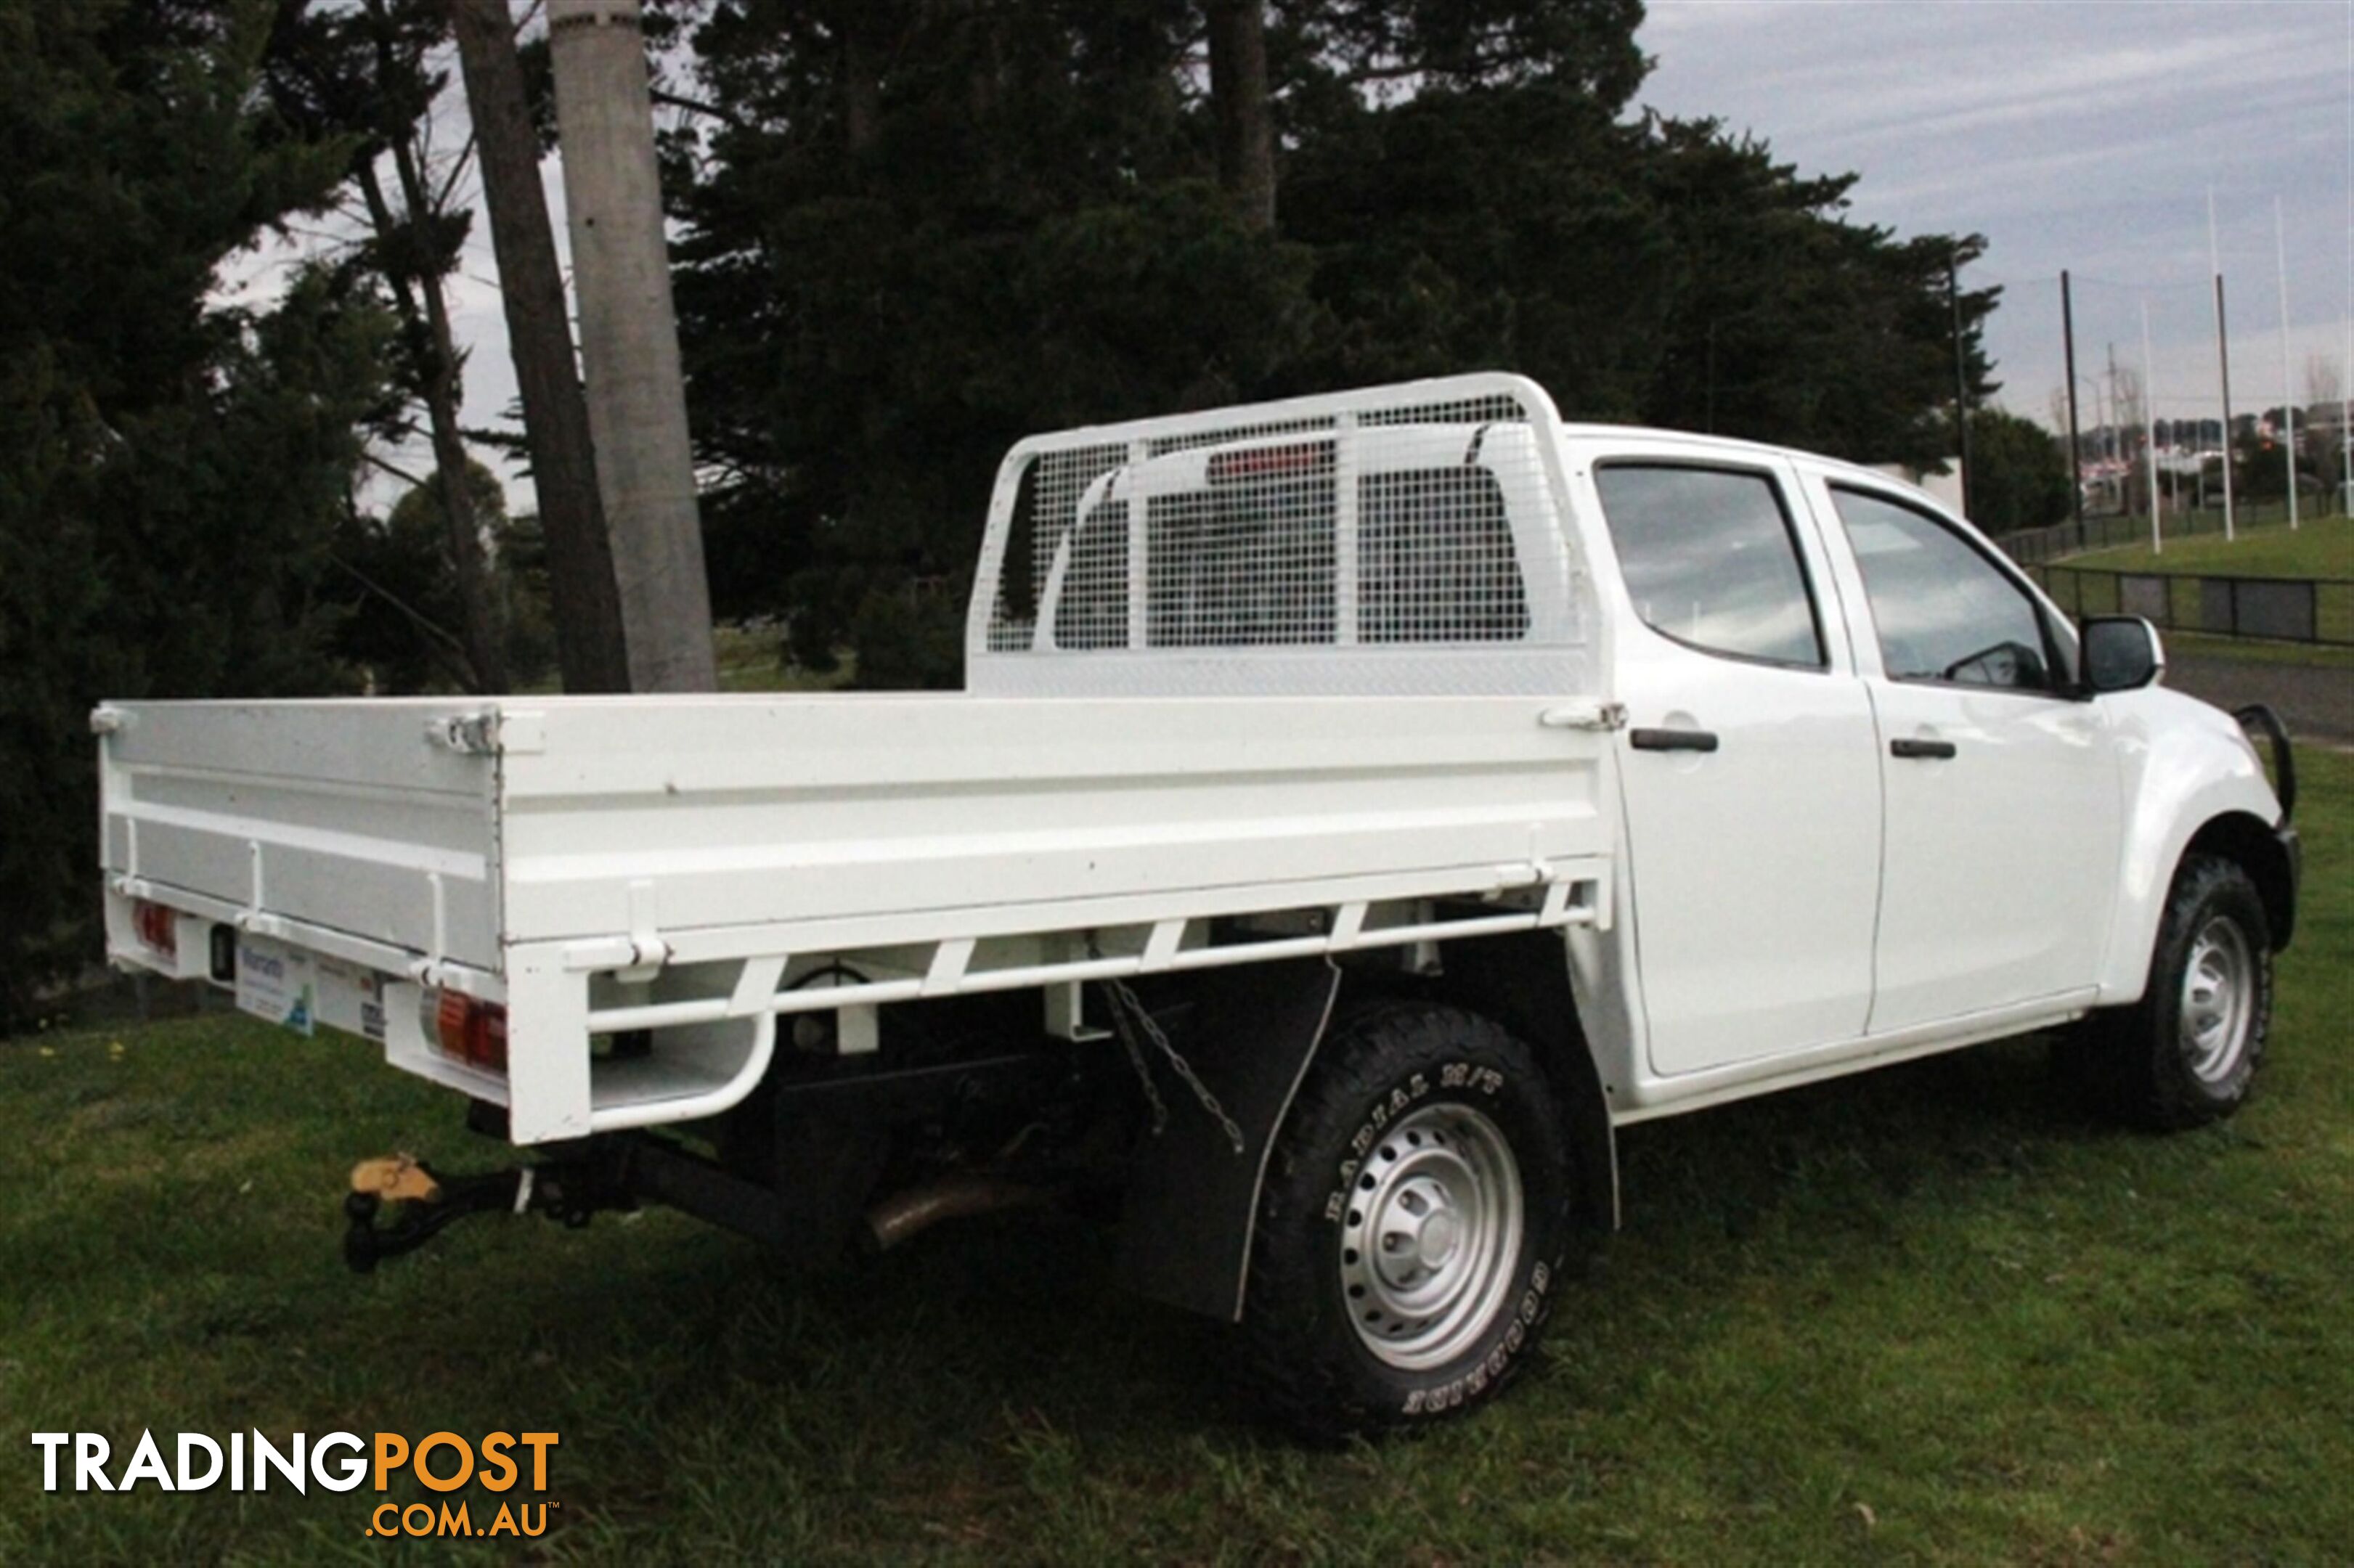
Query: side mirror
[2122,654]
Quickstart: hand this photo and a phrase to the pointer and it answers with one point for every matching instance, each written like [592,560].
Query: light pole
[2150,422]
[1961,374]
[2288,392]
[2075,440]
[629,365]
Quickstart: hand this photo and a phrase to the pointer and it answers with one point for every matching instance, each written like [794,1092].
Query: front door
[2001,786]
[1750,770]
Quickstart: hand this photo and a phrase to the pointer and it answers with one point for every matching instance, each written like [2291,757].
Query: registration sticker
[350,998]
[277,982]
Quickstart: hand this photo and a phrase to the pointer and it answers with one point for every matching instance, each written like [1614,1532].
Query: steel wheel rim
[1432,1237]
[2218,1000]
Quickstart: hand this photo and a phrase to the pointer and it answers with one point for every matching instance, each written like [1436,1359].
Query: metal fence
[2035,546]
[2291,610]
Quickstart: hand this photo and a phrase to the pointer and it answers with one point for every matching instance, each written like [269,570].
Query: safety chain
[1127,1014]
[1119,1026]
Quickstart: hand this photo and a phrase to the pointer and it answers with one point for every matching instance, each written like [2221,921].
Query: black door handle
[1672,739]
[1937,748]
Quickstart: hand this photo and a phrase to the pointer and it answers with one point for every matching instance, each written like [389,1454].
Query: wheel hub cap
[1432,1236]
[2218,1000]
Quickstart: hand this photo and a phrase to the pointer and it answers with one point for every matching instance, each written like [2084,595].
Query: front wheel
[2187,1052]
[1412,1224]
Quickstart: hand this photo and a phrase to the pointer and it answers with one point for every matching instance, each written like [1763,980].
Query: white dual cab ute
[1359,807]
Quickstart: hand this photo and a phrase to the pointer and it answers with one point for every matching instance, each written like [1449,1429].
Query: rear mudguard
[1251,1033]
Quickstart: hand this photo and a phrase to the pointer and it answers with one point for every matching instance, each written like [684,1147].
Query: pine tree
[171,467]
[914,232]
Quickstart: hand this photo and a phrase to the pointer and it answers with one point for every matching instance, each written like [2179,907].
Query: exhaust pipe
[920,1207]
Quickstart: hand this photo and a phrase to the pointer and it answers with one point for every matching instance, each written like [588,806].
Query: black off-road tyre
[2151,1064]
[1395,1133]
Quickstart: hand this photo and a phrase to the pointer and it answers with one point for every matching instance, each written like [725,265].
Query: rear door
[2001,786]
[1750,770]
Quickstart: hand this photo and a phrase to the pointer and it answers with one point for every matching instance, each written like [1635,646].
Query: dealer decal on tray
[350,998]
[277,982]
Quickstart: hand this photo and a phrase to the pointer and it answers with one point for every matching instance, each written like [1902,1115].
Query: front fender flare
[2185,767]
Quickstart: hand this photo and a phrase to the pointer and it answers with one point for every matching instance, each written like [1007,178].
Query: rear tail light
[467,1029]
[158,927]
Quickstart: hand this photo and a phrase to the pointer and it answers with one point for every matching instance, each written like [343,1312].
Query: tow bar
[420,1204]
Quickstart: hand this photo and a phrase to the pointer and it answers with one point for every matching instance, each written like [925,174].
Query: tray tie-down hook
[418,1203]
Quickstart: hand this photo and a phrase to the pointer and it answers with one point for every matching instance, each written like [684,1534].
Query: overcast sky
[2076,133]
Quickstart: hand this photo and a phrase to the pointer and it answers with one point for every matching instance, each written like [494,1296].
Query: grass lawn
[748,659]
[753,661]
[2322,549]
[2319,548]
[1922,1314]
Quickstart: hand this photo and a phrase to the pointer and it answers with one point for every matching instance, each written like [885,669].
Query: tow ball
[418,1203]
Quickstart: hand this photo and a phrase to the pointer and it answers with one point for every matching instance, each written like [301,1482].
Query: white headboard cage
[1394,539]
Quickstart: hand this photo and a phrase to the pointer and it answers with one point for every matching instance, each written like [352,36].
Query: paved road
[2318,702]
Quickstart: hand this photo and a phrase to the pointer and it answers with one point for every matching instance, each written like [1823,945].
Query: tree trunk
[1238,101]
[426,317]
[629,342]
[591,650]
[862,93]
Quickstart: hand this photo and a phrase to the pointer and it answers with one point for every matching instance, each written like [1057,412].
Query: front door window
[1943,611]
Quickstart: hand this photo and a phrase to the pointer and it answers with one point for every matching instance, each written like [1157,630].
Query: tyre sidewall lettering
[1441,1398]
[1389,1061]
[1467,1082]
[1458,1076]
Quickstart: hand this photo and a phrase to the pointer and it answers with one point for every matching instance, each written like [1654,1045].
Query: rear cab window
[1711,558]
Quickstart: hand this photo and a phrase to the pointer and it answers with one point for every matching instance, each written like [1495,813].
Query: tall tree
[2018,473]
[591,650]
[1790,324]
[1394,49]
[171,467]
[366,72]
[1239,104]
[916,231]
[1034,237]
[397,631]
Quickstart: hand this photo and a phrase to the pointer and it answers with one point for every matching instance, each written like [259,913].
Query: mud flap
[1185,1231]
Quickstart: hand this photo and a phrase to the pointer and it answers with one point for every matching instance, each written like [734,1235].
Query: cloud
[2075,135]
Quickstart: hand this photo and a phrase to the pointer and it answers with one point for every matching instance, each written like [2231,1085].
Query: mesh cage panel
[1245,560]
[1411,518]
[1043,509]
[1435,560]
[1485,408]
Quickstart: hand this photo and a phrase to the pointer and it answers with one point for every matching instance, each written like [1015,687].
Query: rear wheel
[2187,1052]
[1412,1224]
